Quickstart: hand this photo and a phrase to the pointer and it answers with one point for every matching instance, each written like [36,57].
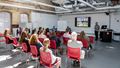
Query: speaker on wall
[107,13]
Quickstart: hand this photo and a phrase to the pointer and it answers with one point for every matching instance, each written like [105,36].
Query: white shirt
[75,44]
[42,36]
[67,35]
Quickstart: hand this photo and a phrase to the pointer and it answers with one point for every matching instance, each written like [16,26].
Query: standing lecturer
[97,27]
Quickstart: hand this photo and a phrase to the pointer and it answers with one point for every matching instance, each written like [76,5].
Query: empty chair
[34,53]
[24,47]
[91,39]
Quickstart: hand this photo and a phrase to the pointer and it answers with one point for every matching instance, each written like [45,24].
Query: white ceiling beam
[43,4]
[24,7]
[87,4]
[107,8]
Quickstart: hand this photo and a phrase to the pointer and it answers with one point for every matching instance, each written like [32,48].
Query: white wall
[115,21]
[5,21]
[44,20]
[102,19]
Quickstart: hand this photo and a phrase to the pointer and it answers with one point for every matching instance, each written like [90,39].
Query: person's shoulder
[69,41]
[79,42]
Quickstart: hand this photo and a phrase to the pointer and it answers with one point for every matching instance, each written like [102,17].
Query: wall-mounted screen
[82,21]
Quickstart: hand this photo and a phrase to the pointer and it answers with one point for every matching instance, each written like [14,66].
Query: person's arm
[69,41]
[80,43]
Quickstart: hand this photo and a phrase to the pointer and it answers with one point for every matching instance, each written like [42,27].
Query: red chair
[85,43]
[46,59]
[15,42]
[53,45]
[58,34]
[79,39]
[73,53]
[34,53]
[41,40]
[65,40]
[91,39]
[34,50]
[7,42]
[24,47]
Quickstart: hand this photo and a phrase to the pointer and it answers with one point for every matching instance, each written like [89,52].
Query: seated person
[34,41]
[41,34]
[54,37]
[33,31]
[67,35]
[8,37]
[83,36]
[76,44]
[46,44]
[24,39]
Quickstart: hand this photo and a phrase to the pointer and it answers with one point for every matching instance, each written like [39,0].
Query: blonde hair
[46,43]
[23,36]
[6,31]
[33,39]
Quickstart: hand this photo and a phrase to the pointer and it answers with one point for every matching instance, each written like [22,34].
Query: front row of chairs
[44,57]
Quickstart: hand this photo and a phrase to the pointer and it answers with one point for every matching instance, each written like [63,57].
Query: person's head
[7,31]
[33,31]
[38,33]
[33,39]
[23,36]
[53,26]
[40,28]
[67,31]
[26,29]
[47,30]
[82,34]
[74,36]
[96,23]
[46,43]
[54,33]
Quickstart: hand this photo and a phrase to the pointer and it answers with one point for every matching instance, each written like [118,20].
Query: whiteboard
[61,25]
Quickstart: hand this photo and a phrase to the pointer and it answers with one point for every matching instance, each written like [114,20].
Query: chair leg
[80,64]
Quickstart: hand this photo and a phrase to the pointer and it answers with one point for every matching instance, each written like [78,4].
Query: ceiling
[62,6]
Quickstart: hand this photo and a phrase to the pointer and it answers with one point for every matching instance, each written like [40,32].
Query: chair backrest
[45,58]
[41,40]
[6,39]
[34,50]
[91,39]
[15,41]
[65,40]
[1,35]
[85,43]
[79,39]
[24,47]
[73,53]
[53,44]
